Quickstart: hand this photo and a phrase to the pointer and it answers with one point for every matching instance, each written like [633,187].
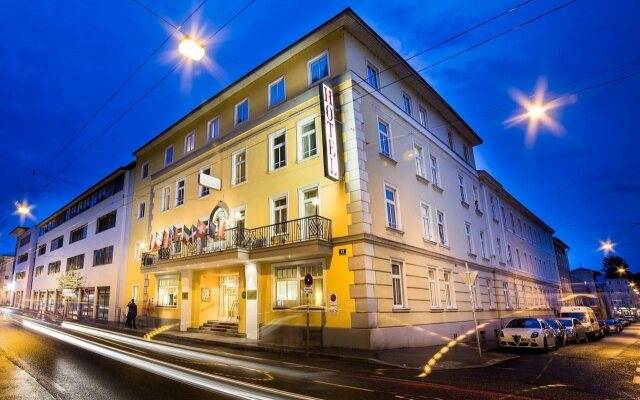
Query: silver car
[575,330]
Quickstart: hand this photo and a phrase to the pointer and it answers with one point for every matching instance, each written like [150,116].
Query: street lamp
[606,246]
[316,203]
[191,49]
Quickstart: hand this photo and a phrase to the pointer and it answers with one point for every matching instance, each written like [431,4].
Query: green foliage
[71,280]
[611,266]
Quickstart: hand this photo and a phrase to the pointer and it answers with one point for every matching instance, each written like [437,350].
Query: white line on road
[345,386]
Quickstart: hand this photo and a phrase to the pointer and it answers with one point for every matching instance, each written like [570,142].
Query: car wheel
[566,341]
[555,344]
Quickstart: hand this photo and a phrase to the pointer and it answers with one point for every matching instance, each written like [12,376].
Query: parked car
[587,318]
[623,321]
[561,332]
[614,326]
[630,318]
[604,327]
[529,333]
[575,330]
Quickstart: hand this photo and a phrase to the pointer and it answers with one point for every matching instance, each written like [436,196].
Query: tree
[71,280]
[614,267]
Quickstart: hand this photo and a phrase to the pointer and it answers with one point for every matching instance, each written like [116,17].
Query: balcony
[309,229]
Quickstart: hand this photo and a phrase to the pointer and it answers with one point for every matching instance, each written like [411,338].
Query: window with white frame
[516,295]
[397,284]
[493,207]
[141,209]
[167,291]
[279,214]
[499,248]
[318,68]
[373,77]
[505,293]
[434,291]
[518,258]
[137,250]
[189,142]
[422,116]
[449,293]
[418,155]
[476,198]
[242,111]
[289,286]
[463,193]
[450,138]
[180,192]
[239,170]
[168,155]
[492,297]
[504,217]
[391,201]
[477,291]
[277,150]
[135,292]
[442,229]
[307,197]
[144,171]
[166,198]
[406,103]
[435,171]
[513,224]
[425,213]
[524,296]
[307,138]
[465,152]
[509,256]
[276,92]
[483,245]
[469,236]
[213,128]
[204,190]
[385,138]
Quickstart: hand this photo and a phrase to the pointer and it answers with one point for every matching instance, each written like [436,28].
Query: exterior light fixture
[191,49]
[607,246]
[537,111]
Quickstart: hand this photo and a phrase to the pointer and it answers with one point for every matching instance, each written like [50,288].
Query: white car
[528,333]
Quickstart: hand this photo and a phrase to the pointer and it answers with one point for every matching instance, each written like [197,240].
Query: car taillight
[534,335]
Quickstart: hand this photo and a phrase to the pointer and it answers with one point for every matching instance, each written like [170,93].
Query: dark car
[614,326]
[623,321]
[604,326]
[562,337]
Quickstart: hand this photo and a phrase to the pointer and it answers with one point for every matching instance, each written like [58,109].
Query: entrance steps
[221,328]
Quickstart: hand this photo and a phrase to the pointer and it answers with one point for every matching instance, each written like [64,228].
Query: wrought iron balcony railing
[294,231]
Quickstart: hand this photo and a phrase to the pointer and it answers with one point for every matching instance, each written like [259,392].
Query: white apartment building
[6,278]
[89,235]
[26,239]
[619,296]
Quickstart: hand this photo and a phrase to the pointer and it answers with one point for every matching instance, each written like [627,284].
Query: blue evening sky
[60,60]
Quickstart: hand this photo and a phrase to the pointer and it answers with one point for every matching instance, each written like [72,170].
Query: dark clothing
[132,313]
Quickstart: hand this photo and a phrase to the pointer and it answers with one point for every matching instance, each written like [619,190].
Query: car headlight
[534,335]
[501,334]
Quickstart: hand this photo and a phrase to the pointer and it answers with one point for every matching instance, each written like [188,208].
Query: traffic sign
[333,304]
[308,280]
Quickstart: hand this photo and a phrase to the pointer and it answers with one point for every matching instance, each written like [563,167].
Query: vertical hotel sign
[329,134]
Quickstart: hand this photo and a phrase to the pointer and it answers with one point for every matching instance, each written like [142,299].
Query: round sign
[333,297]
[308,280]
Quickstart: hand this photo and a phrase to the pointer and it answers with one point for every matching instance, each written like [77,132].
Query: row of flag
[186,234]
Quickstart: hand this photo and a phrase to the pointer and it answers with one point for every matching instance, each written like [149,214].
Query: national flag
[152,241]
[169,236]
[186,235]
[176,236]
[201,230]
[165,239]
[222,228]
[213,230]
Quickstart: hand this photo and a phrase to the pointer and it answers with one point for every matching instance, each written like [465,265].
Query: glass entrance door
[229,297]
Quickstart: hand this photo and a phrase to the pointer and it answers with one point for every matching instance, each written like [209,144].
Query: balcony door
[308,209]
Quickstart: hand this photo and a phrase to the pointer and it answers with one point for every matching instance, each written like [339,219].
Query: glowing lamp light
[621,270]
[606,246]
[315,201]
[191,49]
[536,111]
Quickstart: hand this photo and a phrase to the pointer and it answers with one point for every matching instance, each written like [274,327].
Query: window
[463,194]
[476,198]
[168,155]
[138,248]
[390,195]
[53,268]
[513,225]
[167,291]
[289,284]
[105,222]
[372,76]
[242,111]
[204,190]
[425,213]
[499,248]
[75,262]
[385,138]
[141,209]
[180,192]
[406,103]
[483,245]
[19,276]
[493,208]
[492,298]
[418,155]
[435,172]
[465,152]
[166,198]
[450,138]
[477,298]
[135,292]
[509,256]
[144,171]
[318,68]
[189,142]
[307,141]
[516,295]
[433,288]
[276,92]
[25,240]
[279,214]
[520,226]
[278,150]
[213,128]
[239,171]
[38,271]
[307,196]
[442,229]
[42,249]
[504,218]
[469,236]
[397,285]
[448,290]
[78,234]
[103,256]
[505,292]
[422,116]
[57,243]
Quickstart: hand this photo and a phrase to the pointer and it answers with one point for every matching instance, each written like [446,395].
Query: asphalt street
[39,360]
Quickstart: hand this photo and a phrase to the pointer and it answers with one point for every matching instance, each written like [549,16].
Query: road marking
[345,386]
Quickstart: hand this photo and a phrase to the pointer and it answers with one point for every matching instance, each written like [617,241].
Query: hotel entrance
[229,297]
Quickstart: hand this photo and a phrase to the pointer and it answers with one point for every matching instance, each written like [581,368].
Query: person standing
[132,313]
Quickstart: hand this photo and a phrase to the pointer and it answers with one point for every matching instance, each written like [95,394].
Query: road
[42,361]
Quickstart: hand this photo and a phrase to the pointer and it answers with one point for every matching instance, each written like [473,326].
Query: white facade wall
[21,287]
[111,275]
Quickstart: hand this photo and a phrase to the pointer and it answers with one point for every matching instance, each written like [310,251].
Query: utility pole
[470,280]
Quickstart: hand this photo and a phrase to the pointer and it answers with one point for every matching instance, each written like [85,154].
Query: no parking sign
[333,304]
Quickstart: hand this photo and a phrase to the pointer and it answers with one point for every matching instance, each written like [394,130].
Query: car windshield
[582,317]
[553,323]
[523,323]
[611,321]
[566,322]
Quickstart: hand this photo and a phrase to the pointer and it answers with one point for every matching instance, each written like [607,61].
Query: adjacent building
[26,240]
[586,290]
[619,296]
[6,278]
[562,263]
